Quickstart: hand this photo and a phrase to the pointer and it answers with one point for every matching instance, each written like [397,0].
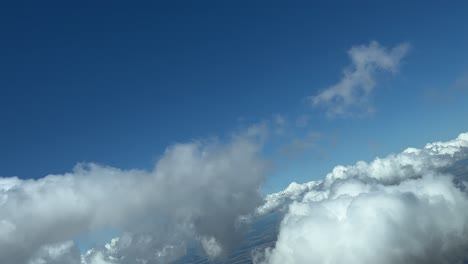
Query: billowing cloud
[294,192]
[405,208]
[196,192]
[351,94]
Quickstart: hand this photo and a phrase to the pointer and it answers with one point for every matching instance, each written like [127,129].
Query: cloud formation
[404,208]
[197,191]
[279,200]
[350,96]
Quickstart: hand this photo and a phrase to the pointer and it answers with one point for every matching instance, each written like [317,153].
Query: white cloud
[211,247]
[196,190]
[352,93]
[405,208]
[293,192]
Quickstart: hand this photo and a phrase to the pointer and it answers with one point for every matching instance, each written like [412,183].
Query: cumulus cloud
[277,201]
[352,93]
[404,208]
[197,191]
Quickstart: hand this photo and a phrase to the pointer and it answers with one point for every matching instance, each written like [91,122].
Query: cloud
[278,201]
[275,126]
[196,192]
[404,208]
[352,93]
[299,145]
[447,95]
[59,253]
[142,248]
[279,124]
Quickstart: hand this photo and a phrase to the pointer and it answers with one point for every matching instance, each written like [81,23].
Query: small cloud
[462,82]
[211,247]
[300,145]
[447,95]
[279,120]
[351,95]
[280,124]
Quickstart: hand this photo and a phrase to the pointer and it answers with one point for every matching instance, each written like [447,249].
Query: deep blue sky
[116,82]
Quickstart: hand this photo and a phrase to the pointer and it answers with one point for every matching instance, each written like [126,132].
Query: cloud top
[196,192]
[404,208]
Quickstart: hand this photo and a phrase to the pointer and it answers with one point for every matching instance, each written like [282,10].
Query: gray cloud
[58,253]
[197,191]
[299,145]
[404,208]
[350,96]
[443,96]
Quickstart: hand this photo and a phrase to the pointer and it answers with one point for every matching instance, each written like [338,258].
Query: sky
[186,93]
[116,84]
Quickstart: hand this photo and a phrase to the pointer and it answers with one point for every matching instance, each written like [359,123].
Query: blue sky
[116,84]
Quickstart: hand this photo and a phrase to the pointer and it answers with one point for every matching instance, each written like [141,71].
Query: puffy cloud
[277,201]
[211,247]
[351,94]
[405,208]
[197,191]
[138,248]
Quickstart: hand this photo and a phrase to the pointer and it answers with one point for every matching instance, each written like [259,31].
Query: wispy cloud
[351,95]
[448,94]
[299,145]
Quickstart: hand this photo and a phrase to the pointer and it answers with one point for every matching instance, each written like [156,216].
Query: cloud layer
[197,191]
[405,208]
[350,96]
